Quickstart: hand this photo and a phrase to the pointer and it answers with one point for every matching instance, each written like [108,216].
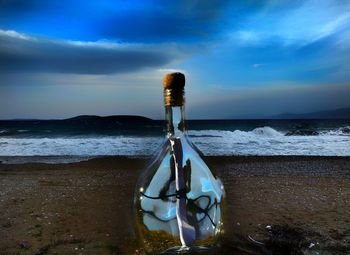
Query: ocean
[89,136]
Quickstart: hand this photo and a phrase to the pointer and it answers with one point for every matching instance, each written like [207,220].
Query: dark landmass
[83,124]
[121,118]
[341,113]
[84,120]
[275,205]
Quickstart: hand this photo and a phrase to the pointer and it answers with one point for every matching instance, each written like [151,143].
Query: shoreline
[68,159]
[291,204]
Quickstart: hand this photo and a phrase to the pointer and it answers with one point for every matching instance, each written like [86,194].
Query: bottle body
[178,199]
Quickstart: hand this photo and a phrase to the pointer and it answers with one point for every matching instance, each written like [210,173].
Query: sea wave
[11,132]
[258,141]
[78,146]
[268,141]
[271,132]
[342,131]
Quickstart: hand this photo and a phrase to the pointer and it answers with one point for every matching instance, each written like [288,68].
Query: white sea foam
[267,141]
[259,141]
[338,131]
[78,146]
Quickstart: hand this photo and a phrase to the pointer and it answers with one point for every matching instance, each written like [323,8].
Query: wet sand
[275,205]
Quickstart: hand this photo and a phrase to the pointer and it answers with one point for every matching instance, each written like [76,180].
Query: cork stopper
[174,84]
[174,81]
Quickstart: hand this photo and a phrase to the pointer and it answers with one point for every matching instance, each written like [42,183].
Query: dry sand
[292,205]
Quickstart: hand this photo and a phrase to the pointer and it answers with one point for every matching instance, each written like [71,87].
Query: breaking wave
[259,141]
[268,141]
[10,132]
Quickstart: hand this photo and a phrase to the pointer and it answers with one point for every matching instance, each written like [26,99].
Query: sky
[242,59]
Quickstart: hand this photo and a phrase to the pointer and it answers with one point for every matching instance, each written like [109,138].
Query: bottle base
[187,250]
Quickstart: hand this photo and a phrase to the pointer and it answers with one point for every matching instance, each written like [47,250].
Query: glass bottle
[178,200]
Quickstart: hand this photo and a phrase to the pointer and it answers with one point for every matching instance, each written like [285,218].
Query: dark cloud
[20,6]
[170,21]
[137,21]
[20,53]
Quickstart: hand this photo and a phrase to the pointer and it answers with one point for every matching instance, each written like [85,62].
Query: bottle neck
[175,118]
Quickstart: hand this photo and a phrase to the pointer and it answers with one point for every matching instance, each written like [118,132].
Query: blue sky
[241,58]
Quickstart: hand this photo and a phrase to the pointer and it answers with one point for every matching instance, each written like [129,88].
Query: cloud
[300,24]
[257,65]
[23,53]
[267,100]
[62,95]
[14,34]
[138,21]
[149,79]
[164,21]
[247,37]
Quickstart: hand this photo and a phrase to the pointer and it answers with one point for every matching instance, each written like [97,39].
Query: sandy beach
[275,205]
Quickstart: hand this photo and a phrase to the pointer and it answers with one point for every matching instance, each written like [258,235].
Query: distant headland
[340,113]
